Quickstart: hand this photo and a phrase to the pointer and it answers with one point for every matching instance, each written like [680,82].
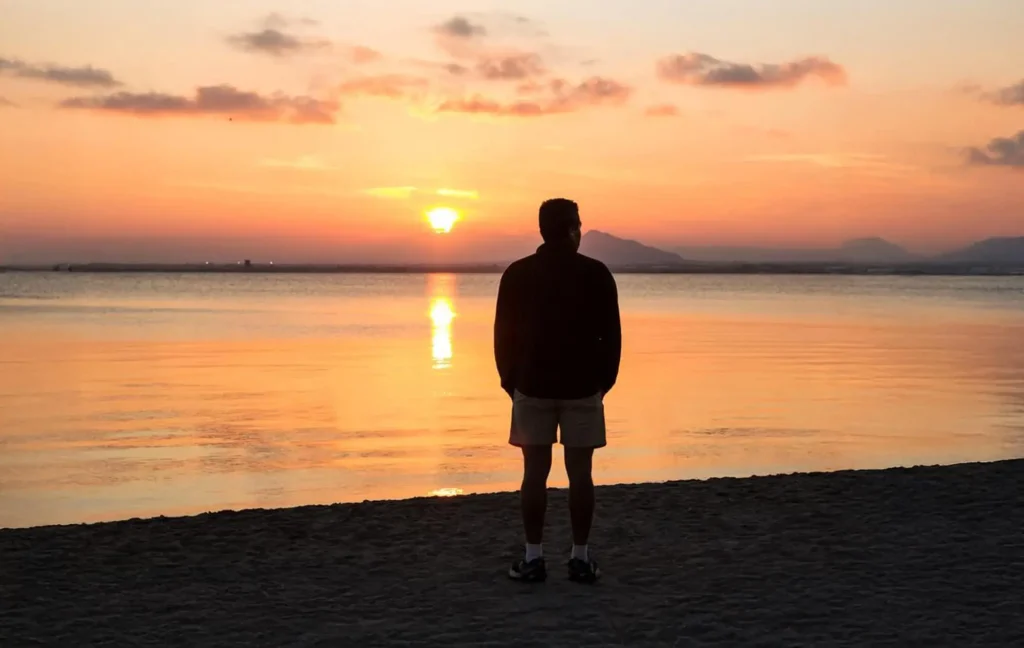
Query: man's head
[560,222]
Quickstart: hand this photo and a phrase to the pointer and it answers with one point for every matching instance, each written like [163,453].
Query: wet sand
[925,556]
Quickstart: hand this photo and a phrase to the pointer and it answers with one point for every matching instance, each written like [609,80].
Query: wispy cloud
[1009,96]
[1001,151]
[522,25]
[275,42]
[392,86]
[360,54]
[276,36]
[458,193]
[406,192]
[561,97]
[7,103]
[221,100]
[80,77]
[448,86]
[698,69]
[472,42]
[510,67]
[280,21]
[662,110]
[459,37]
[460,27]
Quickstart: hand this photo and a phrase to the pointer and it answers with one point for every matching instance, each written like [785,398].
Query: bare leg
[578,465]
[534,491]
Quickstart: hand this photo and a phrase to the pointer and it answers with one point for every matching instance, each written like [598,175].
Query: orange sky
[323,131]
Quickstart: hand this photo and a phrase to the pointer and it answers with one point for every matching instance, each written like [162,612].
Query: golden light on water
[445,492]
[442,313]
[442,219]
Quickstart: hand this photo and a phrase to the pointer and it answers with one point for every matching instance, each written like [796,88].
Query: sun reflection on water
[445,492]
[442,314]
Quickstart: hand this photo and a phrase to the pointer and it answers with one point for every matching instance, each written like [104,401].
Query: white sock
[580,551]
[534,551]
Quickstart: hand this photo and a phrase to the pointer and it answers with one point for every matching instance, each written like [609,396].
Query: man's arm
[505,352]
[609,331]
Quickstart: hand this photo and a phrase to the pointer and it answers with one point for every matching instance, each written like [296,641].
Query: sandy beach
[923,556]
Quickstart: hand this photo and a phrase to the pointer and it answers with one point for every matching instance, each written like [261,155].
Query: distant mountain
[865,250]
[996,251]
[617,252]
[873,250]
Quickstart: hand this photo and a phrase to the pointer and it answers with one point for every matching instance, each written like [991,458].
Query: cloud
[703,70]
[459,37]
[460,27]
[392,86]
[451,68]
[510,67]
[280,21]
[662,110]
[455,68]
[476,58]
[406,192]
[593,91]
[465,40]
[1001,151]
[477,105]
[471,194]
[562,97]
[7,103]
[1009,96]
[524,25]
[222,100]
[530,88]
[275,42]
[487,65]
[80,77]
[273,39]
[360,54]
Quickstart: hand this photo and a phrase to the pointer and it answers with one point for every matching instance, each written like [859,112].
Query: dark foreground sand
[919,557]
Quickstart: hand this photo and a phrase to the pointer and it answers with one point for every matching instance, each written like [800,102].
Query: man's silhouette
[557,344]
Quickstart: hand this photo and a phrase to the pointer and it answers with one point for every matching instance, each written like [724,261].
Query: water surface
[136,395]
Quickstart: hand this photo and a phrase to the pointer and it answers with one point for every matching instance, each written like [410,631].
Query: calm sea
[139,395]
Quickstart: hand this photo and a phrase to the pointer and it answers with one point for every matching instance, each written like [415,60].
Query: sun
[442,219]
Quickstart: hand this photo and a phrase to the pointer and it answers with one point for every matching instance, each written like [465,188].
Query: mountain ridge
[859,250]
[614,251]
[621,252]
[1007,250]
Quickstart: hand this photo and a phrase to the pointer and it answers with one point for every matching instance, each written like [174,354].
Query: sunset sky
[325,130]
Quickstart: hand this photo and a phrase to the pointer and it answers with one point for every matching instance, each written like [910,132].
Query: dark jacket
[556,330]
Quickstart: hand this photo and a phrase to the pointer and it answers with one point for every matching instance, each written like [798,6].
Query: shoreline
[924,556]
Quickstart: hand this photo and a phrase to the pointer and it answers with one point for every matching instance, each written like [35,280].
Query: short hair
[558,217]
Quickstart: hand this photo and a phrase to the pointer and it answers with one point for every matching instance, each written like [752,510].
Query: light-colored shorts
[536,421]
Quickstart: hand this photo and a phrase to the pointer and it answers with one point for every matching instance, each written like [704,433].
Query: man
[557,344]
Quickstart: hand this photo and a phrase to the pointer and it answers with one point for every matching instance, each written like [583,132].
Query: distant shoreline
[910,269]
